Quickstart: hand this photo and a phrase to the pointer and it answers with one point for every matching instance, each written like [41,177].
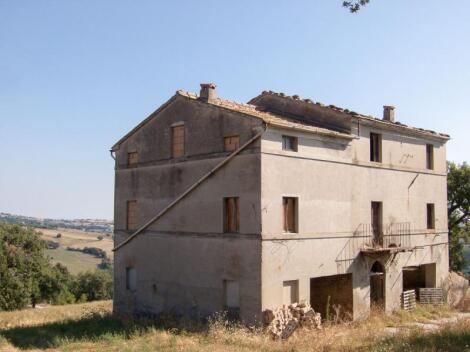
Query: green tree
[21,265]
[94,285]
[355,5]
[458,195]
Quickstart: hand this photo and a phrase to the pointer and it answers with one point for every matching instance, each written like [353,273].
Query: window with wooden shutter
[132,159]
[231,215]
[231,143]
[429,156]
[132,215]
[376,147]
[290,214]
[430,217]
[177,141]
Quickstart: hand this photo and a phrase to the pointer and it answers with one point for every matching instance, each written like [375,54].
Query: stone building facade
[245,207]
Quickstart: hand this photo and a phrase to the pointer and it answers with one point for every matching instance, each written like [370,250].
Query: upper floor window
[231,215]
[177,141]
[132,159]
[289,205]
[376,147]
[231,143]
[430,217]
[131,221]
[289,143]
[429,156]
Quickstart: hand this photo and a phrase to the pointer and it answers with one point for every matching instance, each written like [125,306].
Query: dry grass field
[76,261]
[79,239]
[91,327]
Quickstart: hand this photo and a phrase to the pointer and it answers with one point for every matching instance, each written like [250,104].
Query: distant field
[79,239]
[74,261]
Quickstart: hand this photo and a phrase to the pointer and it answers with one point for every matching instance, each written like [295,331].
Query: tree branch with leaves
[356,5]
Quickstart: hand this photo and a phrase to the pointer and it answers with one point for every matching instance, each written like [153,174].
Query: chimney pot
[389,113]
[208,92]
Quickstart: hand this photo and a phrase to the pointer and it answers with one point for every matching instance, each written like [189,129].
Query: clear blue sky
[77,75]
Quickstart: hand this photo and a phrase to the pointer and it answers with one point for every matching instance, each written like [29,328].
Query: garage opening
[377,286]
[332,296]
[416,277]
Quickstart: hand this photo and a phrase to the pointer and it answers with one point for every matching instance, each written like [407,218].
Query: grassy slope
[90,327]
[75,261]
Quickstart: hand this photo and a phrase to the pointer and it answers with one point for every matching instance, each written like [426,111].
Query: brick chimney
[208,92]
[389,113]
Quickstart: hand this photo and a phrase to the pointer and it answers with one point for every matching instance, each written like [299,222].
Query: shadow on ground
[53,335]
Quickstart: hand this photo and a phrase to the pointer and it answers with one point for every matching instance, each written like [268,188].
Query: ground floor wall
[189,275]
[323,281]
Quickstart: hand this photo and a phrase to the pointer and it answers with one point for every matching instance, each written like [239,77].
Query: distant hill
[89,225]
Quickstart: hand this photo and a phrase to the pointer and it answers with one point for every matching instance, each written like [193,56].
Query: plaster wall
[335,185]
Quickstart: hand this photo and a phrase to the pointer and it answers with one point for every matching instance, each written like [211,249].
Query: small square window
[289,143]
[231,143]
[132,159]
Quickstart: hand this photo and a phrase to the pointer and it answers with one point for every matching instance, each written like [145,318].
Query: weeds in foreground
[96,329]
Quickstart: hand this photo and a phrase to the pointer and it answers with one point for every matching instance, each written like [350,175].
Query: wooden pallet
[430,296]
[409,300]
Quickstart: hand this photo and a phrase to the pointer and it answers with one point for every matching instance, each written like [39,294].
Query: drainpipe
[190,189]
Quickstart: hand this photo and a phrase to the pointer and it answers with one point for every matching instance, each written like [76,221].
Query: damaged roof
[356,116]
[279,120]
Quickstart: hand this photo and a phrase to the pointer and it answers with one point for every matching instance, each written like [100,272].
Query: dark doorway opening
[377,286]
[332,296]
[376,220]
[416,277]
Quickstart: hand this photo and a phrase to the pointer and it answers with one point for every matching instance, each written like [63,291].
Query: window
[430,219]
[429,156]
[376,147]
[232,298]
[290,214]
[290,292]
[289,143]
[376,223]
[177,141]
[132,215]
[132,159]
[231,215]
[131,279]
[231,143]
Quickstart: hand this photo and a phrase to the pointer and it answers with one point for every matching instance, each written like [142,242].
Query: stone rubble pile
[283,321]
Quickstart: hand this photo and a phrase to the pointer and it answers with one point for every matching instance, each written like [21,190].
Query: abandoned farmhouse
[245,207]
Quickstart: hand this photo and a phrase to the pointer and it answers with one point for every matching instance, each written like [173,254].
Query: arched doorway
[377,286]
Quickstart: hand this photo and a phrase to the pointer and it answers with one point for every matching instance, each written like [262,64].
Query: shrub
[59,235]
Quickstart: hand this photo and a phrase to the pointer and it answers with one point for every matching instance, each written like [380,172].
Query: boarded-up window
[231,294]
[131,279]
[375,147]
[430,216]
[289,143]
[177,141]
[231,143]
[429,156]
[231,214]
[290,214]
[290,293]
[131,214]
[132,159]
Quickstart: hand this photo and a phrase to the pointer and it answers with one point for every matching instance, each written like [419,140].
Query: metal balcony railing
[369,238]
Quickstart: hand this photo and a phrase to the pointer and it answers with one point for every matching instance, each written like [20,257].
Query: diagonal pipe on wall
[190,189]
